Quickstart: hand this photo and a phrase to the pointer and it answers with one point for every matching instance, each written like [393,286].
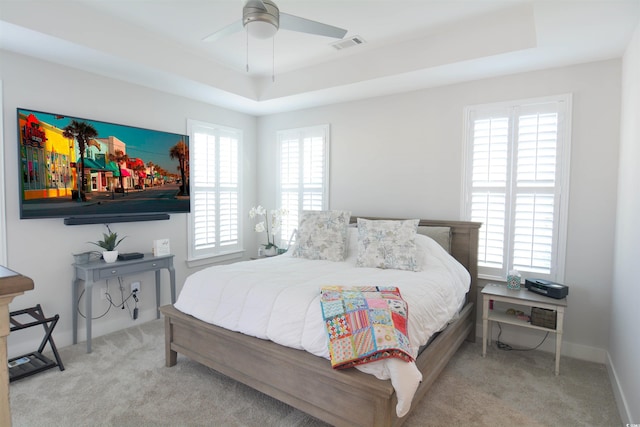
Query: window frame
[561,186]
[217,252]
[314,131]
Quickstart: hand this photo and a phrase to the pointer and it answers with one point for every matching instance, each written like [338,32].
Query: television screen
[89,171]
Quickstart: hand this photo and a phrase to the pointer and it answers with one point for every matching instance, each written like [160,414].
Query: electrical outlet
[135,287]
[103,293]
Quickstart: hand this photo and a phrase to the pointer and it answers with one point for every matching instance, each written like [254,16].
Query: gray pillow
[442,235]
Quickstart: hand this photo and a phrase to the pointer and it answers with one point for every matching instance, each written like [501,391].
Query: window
[516,185]
[214,221]
[303,173]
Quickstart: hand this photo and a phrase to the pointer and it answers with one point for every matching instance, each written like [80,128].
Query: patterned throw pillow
[322,235]
[388,244]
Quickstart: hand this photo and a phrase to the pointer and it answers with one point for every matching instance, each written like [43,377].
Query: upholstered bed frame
[307,382]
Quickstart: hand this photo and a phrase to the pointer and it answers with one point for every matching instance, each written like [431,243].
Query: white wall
[42,249]
[401,156]
[624,343]
[3,222]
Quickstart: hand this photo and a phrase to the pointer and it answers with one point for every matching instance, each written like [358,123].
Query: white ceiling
[410,44]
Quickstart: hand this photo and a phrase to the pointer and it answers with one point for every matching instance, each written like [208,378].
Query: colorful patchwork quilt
[364,324]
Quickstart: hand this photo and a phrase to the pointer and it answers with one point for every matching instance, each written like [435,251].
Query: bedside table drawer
[123,270]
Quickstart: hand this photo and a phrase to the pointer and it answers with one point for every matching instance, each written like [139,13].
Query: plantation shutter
[535,182]
[518,167]
[229,208]
[215,214]
[289,184]
[303,173]
[204,190]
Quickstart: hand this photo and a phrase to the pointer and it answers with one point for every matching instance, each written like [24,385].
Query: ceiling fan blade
[228,30]
[302,25]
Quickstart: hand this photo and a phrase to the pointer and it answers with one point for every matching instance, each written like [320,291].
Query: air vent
[346,43]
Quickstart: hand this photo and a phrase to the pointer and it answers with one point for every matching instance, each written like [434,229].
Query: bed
[307,382]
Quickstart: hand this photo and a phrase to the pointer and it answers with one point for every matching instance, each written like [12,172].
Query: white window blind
[303,173]
[516,185]
[214,222]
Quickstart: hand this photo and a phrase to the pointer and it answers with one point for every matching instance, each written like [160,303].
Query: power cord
[125,302]
[507,347]
[135,308]
[93,318]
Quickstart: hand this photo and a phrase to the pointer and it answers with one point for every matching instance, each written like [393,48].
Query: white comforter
[278,299]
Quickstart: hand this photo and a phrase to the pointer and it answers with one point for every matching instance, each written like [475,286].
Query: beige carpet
[124,383]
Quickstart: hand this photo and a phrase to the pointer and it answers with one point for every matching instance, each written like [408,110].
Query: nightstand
[521,297]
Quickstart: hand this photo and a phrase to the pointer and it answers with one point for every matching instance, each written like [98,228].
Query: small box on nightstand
[543,317]
[161,247]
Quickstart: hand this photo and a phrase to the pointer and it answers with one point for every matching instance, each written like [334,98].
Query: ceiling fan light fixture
[261,29]
[261,19]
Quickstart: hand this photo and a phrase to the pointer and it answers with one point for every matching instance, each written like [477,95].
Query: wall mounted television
[91,172]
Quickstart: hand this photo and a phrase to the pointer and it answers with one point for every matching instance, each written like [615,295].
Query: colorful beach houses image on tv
[71,166]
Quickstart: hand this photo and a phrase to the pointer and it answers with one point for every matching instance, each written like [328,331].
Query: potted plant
[108,244]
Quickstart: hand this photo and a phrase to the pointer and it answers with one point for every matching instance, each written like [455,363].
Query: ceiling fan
[262,19]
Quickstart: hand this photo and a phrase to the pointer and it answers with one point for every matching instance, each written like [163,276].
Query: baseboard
[584,352]
[618,394]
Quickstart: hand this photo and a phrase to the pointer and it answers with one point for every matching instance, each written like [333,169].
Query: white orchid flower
[276,222]
[270,225]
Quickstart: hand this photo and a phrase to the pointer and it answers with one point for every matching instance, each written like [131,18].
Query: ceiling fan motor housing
[270,14]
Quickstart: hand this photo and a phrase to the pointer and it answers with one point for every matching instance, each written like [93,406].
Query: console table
[12,284]
[96,271]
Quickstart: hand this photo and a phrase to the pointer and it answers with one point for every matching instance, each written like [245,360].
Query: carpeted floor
[124,383]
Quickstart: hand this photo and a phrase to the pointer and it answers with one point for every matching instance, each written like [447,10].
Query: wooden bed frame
[307,382]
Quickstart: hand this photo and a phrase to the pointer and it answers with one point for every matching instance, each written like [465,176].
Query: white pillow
[322,235]
[388,244]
